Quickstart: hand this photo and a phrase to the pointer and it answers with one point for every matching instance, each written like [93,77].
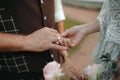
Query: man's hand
[65,56]
[43,39]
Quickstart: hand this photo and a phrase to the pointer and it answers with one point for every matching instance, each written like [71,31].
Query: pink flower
[52,70]
[93,71]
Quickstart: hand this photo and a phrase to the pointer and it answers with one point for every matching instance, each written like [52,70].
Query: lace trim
[109,20]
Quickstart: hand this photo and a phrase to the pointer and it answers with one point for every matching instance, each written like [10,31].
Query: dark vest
[28,16]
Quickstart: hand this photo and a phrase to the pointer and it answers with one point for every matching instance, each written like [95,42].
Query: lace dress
[107,50]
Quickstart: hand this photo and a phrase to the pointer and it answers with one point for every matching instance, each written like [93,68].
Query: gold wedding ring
[58,37]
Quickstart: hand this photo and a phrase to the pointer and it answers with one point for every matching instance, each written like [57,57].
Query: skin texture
[77,33]
[32,42]
[60,29]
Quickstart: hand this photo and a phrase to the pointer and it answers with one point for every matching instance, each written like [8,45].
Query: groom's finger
[57,47]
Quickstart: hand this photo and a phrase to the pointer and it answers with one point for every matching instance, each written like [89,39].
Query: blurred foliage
[69,23]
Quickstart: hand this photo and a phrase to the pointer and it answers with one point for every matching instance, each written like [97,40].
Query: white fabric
[107,51]
[109,41]
[59,13]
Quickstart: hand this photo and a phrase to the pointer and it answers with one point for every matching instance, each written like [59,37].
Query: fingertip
[73,44]
[65,48]
[57,43]
[58,47]
[64,34]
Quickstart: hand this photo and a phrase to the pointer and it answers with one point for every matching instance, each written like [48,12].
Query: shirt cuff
[59,16]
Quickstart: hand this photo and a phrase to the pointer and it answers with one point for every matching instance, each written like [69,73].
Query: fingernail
[73,43]
[65,48]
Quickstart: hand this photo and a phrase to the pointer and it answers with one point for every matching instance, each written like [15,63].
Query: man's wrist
[25,43]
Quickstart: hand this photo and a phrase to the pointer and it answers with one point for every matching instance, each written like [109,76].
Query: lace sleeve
[113,23]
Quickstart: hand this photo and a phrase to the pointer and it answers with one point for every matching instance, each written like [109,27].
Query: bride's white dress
[107,50]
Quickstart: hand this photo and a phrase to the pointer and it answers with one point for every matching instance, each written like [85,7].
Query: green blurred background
[69,23]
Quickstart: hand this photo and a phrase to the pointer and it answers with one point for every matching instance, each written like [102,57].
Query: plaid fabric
[20,76]
[10,62]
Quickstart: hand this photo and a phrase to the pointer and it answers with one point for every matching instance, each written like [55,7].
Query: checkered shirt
[10,61]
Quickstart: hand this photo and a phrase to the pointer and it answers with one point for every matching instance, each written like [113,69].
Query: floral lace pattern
[109,41]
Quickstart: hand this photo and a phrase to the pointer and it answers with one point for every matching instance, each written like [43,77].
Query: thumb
[58,47]
[64,34]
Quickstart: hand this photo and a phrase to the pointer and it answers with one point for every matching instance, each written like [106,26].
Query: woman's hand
[74,35]
[77,33]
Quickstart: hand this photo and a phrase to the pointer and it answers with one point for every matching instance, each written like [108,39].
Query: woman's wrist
[89,28]
[83,30]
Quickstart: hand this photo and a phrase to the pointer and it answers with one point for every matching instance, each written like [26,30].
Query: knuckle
[45,27]
[48,44]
